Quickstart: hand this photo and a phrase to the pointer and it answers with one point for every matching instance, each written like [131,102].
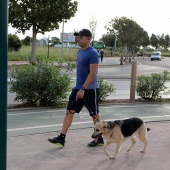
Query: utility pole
[3,84]
[48,46]
[62,34]
[115,42]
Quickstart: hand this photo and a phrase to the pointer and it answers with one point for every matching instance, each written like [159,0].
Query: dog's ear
[106,125]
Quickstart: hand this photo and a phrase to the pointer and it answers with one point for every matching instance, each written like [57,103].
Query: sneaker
[100,142]
[57,141]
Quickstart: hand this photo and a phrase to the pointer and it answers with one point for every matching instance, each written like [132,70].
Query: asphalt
[34,152]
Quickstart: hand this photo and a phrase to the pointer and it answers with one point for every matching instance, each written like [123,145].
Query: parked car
[156,55]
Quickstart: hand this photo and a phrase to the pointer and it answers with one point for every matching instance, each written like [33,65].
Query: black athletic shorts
[90,101]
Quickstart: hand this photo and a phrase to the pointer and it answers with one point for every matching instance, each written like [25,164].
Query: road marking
[45,126]
[18,114]
[139,63]
[104,107]
[74,123]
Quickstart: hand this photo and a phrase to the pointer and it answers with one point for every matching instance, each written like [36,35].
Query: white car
[156,55]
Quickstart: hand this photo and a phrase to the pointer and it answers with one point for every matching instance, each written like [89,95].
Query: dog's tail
[148,129]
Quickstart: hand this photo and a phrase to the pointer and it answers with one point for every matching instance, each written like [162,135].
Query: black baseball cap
[83,32]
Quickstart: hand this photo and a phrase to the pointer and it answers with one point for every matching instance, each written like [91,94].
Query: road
[110,68]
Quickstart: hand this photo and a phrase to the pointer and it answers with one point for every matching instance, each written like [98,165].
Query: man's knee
[70,112]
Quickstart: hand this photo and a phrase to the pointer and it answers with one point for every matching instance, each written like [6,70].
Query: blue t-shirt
[84,59]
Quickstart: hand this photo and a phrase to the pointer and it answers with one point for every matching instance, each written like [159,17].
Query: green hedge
[152,87]
[41,85]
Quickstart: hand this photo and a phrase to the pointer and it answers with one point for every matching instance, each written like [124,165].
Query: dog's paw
[142,151]
[112,157]
[106,153]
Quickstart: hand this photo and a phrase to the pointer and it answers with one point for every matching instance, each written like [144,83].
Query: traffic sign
[68,37]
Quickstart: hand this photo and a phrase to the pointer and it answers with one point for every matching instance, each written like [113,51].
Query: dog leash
[90,111]
[88,108]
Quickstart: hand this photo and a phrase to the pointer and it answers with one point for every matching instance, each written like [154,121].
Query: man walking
[101,55]
[86,92]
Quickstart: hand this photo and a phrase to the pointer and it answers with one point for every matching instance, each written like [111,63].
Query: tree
[54,40]
[162,41]
[92,25]
[14,43]
[40,15]
[108,39]
[129,33]
[26,40]
[145,39]
[167,38]
[154,40]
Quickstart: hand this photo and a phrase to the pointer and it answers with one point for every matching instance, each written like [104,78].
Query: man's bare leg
[96,117]
[67,121]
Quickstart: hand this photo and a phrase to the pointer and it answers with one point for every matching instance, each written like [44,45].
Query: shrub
[44,84]
[152,87]
[14,43]
[26,41]
[105,89]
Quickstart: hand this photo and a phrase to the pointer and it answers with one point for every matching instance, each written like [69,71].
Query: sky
[152,15]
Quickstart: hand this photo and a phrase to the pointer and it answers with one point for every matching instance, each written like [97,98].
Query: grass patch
[54,53]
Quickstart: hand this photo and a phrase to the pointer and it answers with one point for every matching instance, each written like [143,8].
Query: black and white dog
[117,131]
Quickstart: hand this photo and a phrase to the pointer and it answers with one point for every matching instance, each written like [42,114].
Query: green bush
[26,41]
[14,43]
[44,84]
[105,89]
[151,87]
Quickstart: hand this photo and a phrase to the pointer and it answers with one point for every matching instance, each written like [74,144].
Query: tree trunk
[33,50]
[130,57]
[121,58]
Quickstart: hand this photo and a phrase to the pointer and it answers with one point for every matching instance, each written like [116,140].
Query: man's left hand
[80,94]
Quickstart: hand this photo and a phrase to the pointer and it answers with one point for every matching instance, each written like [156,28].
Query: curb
[107,102]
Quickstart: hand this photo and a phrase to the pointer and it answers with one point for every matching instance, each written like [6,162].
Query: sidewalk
[34,152]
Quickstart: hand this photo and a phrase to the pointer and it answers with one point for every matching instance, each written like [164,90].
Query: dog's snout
[93,136]
[96,135]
